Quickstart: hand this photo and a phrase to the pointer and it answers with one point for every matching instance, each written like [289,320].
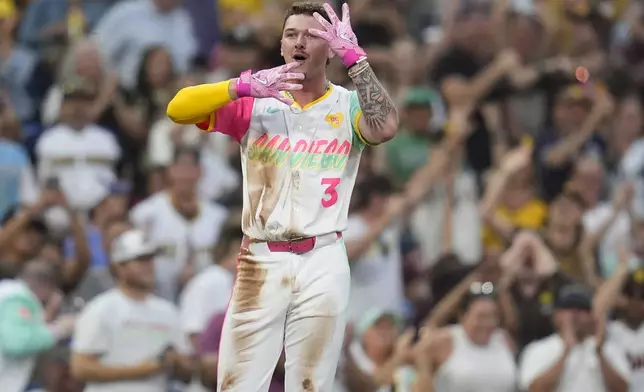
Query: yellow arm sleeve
[195,104]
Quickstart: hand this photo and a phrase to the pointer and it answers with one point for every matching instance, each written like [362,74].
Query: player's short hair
[305,8]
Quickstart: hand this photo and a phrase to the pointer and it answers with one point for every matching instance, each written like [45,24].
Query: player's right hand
[269,83]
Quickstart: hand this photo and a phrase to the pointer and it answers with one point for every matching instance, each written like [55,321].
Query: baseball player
[301,138]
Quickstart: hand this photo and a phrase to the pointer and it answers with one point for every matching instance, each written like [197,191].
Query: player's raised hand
[269,83]
[339,35]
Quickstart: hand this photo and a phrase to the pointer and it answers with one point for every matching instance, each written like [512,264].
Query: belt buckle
[291,241]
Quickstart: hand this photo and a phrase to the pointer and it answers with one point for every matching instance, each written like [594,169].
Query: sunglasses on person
[481,288]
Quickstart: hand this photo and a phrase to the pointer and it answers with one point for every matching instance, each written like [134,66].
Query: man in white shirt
[131,27]
[183,226]
[574,359]
[625,289]
[80,154]
[373,248]
[209,292]
[218,179]
[128,340]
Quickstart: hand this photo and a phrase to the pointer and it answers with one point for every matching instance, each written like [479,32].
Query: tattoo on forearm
[375,102]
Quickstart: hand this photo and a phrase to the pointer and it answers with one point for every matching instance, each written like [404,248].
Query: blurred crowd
[496,244]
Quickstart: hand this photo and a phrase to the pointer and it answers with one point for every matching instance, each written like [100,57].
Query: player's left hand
[339,35]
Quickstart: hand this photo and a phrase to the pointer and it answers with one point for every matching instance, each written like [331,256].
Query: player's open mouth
[300,57]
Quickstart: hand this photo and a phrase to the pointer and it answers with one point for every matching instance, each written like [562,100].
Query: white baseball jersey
[177,238]
[632,343]
[299,164]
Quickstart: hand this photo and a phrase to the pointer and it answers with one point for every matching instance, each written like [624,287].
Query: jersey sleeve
[355,112]
[90,335]
[233,119]
[22,331]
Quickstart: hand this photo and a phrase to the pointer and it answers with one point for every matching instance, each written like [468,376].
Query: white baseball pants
[285,300]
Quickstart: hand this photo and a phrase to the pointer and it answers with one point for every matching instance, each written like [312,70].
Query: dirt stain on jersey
[307,385]
[264,187]
[229,381]
[255,187]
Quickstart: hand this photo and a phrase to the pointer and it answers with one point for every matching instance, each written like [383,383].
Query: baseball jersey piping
[356,128]
[324,96]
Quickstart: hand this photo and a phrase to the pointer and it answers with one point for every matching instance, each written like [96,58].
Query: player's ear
[330,54]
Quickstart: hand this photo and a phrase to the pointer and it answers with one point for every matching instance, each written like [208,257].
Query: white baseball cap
[372,316]
[131,245]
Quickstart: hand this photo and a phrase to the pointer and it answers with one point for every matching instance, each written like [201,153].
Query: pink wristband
[351,57]
[242,85]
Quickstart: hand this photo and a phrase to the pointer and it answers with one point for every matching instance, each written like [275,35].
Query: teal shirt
[406,153]
[23,331]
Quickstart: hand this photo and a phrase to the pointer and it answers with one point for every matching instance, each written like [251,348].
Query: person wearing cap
[80,154]
[576,115]
[578,357]
[181,223]
[24,333]
[378,355]
[623,295]
[409,150]
[474,354]
[128,339]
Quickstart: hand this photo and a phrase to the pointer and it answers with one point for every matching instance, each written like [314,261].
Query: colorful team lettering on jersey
[320,154]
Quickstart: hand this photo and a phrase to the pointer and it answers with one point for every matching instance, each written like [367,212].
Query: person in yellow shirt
[510,201]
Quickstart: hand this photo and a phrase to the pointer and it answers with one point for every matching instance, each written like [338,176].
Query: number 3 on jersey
[331,194]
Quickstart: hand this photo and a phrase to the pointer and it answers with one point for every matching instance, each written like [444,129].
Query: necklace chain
[328,87]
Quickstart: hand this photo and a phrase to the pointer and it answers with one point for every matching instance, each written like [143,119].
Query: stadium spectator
[24,333]
[208,294]
[181,224]
[17,177]
[378,356]
[507,169]
[19,65]
[128,339]
[473,354]
[578,356]
[130,28]
[81,155]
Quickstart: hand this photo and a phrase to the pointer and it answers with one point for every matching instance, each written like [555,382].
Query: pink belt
[297,246]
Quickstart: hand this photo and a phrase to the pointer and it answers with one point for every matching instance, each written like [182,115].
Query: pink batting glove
[269,83]
[340,36]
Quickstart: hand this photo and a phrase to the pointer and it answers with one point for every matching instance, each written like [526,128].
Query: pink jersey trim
[234,118]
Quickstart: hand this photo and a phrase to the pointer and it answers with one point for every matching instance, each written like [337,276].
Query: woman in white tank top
[474,355]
